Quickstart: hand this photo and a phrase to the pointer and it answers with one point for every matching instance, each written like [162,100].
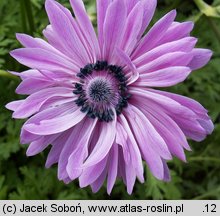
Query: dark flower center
[101,88]
[100,91]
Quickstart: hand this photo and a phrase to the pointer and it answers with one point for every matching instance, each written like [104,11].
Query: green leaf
[3,188]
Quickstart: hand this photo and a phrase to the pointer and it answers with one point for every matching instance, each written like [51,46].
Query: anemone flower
[92,98]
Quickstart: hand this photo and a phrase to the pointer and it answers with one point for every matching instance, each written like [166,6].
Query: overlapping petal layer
[155,124]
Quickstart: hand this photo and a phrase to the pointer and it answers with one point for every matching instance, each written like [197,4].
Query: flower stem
[214,27]
[208,159]
[23,16]
[27,16]
[208,194]
[30,17]
[8,75]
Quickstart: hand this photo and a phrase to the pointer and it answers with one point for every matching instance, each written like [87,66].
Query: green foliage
[26,178]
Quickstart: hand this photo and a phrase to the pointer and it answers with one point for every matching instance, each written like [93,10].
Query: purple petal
[167,176]
[104,143]
[183,45]
[172,135]
[57,146]
[132,29]
[130,177]
[102,7]
[86,27]
[149,9]
[55,125]
[87,177]
[167,60]
[113,30]
[30,42]
[200,58]
[149,155]
[197,108]
[112,168]
[185,101]
[99,182]
[122,140]
[163,78]
[177,31]
[154,140]
[54,40]
[154,99]
[125,60]
[136,160]
[34,102]
[30,86]
[77,157]
[190,127]
[71,146]
[65,31]
[155,34]
[43,60]
[14,105]
[39,145]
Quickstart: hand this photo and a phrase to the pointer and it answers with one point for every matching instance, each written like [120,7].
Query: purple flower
[92,99]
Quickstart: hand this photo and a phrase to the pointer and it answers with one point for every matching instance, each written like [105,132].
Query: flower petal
[200,58]
[113,30]
[77,157]
[30,42]
[152,137]
[55,125]
[104,143]
[86,27]
[112,168]
[149,9]
[150,156]
[30,86]
[39,145]
[14,105]
[130,68]
[66,32]
[99,182]
[183,45]
[102,7]
[57,146]
[34,102]
[163,78]
[167,60]
[177,31]
[43,60]
[172,135]
[87,177]
[135,154]
[132,28]
[155,34]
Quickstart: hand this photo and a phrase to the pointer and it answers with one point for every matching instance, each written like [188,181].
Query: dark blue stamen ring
[100,92]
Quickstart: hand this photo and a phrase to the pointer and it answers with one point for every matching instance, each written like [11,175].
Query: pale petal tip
[8,106]
[173,13]
[29,153]
[19,35]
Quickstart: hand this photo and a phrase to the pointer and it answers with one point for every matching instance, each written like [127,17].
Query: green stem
[214,27]
[200,4]
[30,17]
[208,159]
[8,75]
[23,15]
[208,194]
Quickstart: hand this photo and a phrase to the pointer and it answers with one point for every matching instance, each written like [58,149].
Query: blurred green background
[26,178]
